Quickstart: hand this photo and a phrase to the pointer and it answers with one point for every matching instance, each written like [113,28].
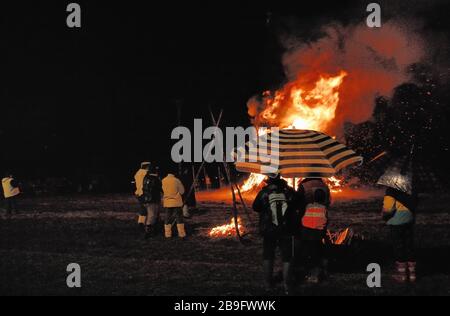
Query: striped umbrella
[296,154]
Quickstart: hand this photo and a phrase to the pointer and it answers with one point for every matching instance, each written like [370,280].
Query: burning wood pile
[301,105]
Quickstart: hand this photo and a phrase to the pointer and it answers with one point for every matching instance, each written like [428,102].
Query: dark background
[103,98]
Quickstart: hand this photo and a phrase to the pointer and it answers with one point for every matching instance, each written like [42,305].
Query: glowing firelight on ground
[229,230]
[256,180]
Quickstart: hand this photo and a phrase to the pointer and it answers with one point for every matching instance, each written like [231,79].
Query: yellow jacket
[139,180]
[8,190]
[396,213]
[173,192]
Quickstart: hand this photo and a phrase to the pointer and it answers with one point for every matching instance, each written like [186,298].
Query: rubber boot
[141,222]
[401,273]
[268,275]
[412,272]
[181,231]
[287,278]
[168,231]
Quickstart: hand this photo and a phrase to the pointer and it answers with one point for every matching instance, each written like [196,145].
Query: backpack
[278,206]
[152,189]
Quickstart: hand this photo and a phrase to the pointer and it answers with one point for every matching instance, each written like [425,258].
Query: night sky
[102,98]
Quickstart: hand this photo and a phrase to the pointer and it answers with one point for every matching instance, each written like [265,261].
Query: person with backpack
[139,193]
[277,205]
[151,198]
[316,197]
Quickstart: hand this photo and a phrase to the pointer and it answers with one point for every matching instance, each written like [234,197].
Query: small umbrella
[409,177]
[297,154]
[399,176]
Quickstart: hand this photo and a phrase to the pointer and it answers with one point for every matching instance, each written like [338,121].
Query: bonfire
[229,230]
[302,106]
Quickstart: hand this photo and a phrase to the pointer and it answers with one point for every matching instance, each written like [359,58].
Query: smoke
[376,61]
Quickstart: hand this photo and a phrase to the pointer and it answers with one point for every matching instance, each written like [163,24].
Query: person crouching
[173,191]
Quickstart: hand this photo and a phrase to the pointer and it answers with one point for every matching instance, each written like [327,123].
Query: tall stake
[197,175]
[234,187]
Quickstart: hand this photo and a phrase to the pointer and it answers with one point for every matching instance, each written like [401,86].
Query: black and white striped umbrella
[297,154]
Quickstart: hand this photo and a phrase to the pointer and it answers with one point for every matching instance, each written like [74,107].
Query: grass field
[100,234]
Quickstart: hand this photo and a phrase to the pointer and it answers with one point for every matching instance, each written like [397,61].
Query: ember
[229,230]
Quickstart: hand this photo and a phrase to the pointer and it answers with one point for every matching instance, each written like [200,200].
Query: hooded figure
[399,210]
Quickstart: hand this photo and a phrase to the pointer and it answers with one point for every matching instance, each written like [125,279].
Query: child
[317,200]
[399,214]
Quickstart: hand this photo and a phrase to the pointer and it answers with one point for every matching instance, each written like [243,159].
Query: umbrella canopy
[410,176]
[297,154]
[399,176]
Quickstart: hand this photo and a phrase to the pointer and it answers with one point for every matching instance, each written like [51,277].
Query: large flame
[297,107]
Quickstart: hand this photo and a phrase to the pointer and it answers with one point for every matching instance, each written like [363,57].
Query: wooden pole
[197,175]
[219,175]
[194,181]
[231,179]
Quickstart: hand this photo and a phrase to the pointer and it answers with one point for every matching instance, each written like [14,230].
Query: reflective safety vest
[316,217]
[8,190]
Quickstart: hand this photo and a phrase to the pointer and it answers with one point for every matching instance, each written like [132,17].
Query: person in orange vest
[173,191]
[316,197]
[11,191]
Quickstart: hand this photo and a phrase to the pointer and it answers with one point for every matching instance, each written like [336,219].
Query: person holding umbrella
[399,209]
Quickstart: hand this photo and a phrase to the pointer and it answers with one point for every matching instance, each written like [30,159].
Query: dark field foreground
[100,234]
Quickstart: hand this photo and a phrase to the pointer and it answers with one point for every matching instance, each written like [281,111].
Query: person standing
[139,193]
[173,191]
[11,192]
[399,210]
[277,205]
[316,198]
[151,198]
[190,202]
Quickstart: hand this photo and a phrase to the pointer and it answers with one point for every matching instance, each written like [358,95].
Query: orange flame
[296,106]
[227,230]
